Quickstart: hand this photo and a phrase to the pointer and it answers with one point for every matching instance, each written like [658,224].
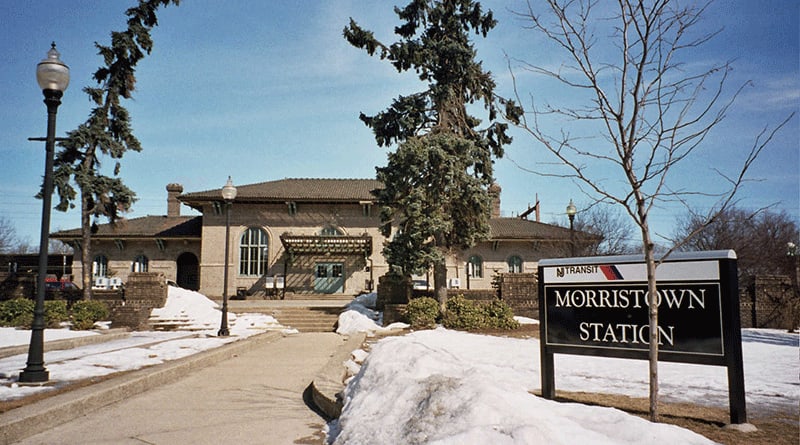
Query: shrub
[17,312]
[86,312]
[500,315]
[473,315]
[464,314]
[55,312]
[422,313]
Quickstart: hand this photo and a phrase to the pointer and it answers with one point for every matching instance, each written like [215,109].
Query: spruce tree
[436,181]
[107,132]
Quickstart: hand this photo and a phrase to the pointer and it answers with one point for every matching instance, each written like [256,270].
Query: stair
[308,319]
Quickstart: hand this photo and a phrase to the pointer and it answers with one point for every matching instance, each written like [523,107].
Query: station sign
[600,306]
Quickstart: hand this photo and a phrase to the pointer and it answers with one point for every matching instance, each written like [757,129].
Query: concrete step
[308,319]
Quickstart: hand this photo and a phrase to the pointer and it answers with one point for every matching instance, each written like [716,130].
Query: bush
[422,313]
[86,312]
[55,312]
[500,315]
[464,314]
[471,315]
[17,312]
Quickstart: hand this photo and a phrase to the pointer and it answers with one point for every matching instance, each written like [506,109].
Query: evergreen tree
[107,132]
[436,181]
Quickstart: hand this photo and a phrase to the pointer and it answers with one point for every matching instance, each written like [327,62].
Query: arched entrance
[188,271]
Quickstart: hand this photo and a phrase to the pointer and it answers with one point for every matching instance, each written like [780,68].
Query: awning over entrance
[320,245]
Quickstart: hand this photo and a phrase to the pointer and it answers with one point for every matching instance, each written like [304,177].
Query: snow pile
[449,387]
[187,310]
[361,316]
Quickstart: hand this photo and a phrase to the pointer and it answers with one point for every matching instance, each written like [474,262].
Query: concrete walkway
[254,397]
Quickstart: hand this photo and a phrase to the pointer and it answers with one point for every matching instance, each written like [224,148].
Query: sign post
[599,306]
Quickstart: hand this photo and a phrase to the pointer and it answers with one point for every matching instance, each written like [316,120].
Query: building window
[475,267]
[292,206]
[331,231]
[100,266]
[366,210]
[253,252]
[140,264]
[514,264]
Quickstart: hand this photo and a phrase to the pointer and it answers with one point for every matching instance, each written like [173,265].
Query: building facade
[296,236]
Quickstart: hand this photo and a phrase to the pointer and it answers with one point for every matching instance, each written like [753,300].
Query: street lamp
[228,194]
[53,77]
[571,211]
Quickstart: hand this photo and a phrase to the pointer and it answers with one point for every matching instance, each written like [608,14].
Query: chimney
[494,195]
[173,205]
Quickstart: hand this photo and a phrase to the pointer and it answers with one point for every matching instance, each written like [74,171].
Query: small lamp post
[228,194]
[571,211]
[53,78]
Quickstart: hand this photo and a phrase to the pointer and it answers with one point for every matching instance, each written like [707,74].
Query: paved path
[253,398]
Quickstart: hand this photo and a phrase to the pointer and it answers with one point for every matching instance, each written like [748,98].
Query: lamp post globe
[228,195]
[51,72]
[53,77]
[571,211]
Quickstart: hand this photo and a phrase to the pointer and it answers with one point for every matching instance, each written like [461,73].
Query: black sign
[600,306]
[616,317]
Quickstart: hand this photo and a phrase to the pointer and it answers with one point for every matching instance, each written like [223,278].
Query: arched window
[140,264]
[475,267]
[514,264]
[100,266]
[330,231]
[253,252]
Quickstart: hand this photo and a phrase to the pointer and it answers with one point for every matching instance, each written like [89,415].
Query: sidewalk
[251,393]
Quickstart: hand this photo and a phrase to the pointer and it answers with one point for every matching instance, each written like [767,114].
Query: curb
[328,384]
[34,418]
[69,343]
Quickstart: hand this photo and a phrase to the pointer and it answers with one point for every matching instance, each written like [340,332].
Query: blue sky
[269,90]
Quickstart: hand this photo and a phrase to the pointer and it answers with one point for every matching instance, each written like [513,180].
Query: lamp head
[229,191]
[571,209]
[52,73]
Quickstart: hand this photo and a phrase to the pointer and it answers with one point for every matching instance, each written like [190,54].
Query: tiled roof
[521,229]
[325,190]
[144,227]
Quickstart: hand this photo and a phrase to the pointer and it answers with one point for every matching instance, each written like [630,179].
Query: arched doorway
[188,271]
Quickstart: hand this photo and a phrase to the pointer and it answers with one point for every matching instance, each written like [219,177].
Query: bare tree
[645,111]
[762,239]
[8,236]
[609,223]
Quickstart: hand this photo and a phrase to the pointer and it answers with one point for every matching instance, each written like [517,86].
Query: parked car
[62,290]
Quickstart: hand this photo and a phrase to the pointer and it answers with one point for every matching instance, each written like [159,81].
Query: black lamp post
[53,77]
[571,211]
[228,194]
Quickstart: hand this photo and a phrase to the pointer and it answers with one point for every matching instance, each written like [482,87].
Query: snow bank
[447,387]
[187,310]
[361,316]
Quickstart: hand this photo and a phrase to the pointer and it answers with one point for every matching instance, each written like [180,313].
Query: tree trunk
[649,258]
[440,284]
[86,249]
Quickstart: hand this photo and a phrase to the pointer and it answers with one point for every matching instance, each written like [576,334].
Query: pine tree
[107,132]
[436,181]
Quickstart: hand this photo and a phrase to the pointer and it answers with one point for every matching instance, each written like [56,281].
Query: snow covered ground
[448,387]
[196,316]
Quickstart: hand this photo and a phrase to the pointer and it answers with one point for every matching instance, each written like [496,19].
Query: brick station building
[298,236]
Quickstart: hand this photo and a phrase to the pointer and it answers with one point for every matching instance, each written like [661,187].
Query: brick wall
[769,301]
[131,308]
[521,292]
